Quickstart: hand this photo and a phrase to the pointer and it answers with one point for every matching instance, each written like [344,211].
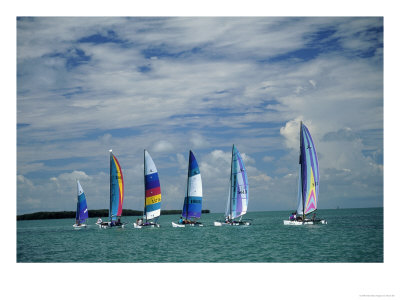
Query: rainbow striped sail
[116,188]
[239,188]
[81,207]
[152,202]
[309,173]
[194,191]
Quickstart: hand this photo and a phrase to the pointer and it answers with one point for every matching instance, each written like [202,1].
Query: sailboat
[81,209]
[116,195]
[238,198]
[152,195]
[194,196]
[308,184]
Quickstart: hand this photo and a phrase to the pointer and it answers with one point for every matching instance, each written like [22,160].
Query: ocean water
[351,235]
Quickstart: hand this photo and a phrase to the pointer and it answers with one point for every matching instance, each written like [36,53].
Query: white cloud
[181,161]
[268,158]
[199,141]
[291,132]
[163,146]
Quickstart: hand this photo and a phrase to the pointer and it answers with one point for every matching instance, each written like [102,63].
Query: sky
[173,84]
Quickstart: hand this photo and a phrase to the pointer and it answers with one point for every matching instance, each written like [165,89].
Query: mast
[231,191]
[187,188]
[111,189]
[144,183]
[77,205]
[302,165]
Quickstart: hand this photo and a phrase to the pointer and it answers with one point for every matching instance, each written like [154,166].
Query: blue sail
[194,191]
[81,207]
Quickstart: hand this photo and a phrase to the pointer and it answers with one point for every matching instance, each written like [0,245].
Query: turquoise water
[351,235]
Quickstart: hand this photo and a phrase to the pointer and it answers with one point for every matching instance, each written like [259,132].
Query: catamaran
[116,195]
[194,196]
[238,199]
[152,195]
[81,209]
[308,184]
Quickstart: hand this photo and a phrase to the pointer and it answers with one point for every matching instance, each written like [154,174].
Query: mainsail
[81,206]
[152,203]
[194,191]
[116,188]
[239,187]
[309,172]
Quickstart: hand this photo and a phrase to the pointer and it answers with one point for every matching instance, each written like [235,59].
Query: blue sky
[168,85]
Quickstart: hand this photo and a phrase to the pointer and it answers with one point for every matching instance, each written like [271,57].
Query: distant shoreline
[95,213]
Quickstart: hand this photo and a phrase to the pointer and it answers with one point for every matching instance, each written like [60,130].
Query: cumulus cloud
[163,146]
[268,158]
[291,133]
[181,161]
[75,175]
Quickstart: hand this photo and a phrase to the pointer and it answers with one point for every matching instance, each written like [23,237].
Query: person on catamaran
[139,221]
[293,216]
[99,221]
[180,221]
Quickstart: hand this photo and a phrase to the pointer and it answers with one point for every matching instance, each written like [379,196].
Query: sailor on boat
[118,222]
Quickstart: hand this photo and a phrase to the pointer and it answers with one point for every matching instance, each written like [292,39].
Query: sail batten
[192,204]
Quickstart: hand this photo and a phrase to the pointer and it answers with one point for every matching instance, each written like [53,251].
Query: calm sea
[351,235]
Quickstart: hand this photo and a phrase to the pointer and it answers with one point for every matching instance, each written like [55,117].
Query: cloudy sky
[168,85]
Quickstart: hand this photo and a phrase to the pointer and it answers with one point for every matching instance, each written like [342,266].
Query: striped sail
[309,171]
[116,188]
[194,192]
[152,204]
[81,207]
[239,191]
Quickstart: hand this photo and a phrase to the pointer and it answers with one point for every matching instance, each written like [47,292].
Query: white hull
[242,223]
[151,225]
[187,225]
[306,222]
[76,226]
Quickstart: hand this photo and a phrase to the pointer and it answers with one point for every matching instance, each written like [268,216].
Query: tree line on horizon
[95,213]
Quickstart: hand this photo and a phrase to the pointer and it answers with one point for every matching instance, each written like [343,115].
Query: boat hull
[80,226]
[150,225]
[106,225]
[187,225]
[306,222]
[241,223]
